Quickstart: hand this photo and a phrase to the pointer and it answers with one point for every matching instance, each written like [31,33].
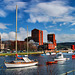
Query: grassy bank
[10,54]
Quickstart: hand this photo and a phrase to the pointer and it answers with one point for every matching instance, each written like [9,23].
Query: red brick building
[37,36]
[52,40]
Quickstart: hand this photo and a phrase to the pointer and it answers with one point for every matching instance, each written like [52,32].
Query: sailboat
[25,61]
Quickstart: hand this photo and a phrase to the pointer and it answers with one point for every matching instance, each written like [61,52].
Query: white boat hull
[47,53]
[12,65]
[53,53]
[62,59]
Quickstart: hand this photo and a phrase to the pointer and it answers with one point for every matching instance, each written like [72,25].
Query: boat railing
[68,72]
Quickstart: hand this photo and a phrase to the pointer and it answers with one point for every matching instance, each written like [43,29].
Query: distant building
[73,47]
[37,36]
[51,41]
[2,46]
[51,38]
[29,38]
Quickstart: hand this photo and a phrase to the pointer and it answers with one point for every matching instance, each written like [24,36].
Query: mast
[16,29]
[27,39]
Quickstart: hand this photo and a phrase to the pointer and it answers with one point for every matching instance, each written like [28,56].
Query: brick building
[51,41]
[37,36]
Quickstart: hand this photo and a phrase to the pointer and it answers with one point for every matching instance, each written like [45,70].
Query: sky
[50,16]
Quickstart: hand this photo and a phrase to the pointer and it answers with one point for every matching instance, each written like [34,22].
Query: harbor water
[41,69]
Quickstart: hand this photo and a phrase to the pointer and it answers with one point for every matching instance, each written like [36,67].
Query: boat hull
[63,59]
[51,62]
[73,56]
[15,65]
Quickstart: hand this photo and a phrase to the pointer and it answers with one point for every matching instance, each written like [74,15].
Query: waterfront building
[73,47]
[37,36]
[51,41]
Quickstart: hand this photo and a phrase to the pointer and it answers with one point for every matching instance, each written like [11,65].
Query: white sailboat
[25,60]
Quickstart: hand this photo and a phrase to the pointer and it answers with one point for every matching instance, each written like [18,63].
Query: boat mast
[27,39]
[16,29]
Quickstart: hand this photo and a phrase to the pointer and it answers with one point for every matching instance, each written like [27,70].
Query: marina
[41,68]
[37,37]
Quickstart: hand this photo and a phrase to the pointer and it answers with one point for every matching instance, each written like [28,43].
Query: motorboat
[60,57]
[73,56]
[24,62]
[51,62]
[47,53]
[52,53]
[70,51]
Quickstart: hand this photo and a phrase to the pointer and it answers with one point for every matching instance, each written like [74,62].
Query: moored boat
[60,57]
[25,61]
[52,53]
[21,63]
[51,62]
[47,53]
[70,51]
[73,56]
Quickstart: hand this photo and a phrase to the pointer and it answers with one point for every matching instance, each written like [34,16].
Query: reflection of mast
[16,29]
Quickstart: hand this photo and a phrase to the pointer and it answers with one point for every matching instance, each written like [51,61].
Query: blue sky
[51,16]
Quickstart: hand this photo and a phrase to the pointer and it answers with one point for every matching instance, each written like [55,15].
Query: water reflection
[41,69]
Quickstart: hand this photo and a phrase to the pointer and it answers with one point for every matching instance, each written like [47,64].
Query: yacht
[24,61]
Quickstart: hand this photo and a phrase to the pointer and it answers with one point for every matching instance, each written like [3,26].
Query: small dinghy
[51,62]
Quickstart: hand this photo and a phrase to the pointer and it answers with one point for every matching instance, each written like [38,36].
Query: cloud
[57,29]
[51,26]
[2,13]
[59,37]
[21,35]
[72,24]
[12,6]
[45,35]
[65,37]
[56,11]
[4,26]
[72,29]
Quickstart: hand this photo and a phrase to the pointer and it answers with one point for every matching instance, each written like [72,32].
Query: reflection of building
[37,36]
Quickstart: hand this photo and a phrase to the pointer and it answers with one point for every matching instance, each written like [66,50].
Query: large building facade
[37,36]
[51,41]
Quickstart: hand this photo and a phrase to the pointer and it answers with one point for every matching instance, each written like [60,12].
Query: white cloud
[21,35]
[2,13]
[12,6]
[60,24]
[72,24]
[65,37]
[72,29]
[51,26]
[4,26]
[59,37]
[57,29]
[55,11]
[45,35]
